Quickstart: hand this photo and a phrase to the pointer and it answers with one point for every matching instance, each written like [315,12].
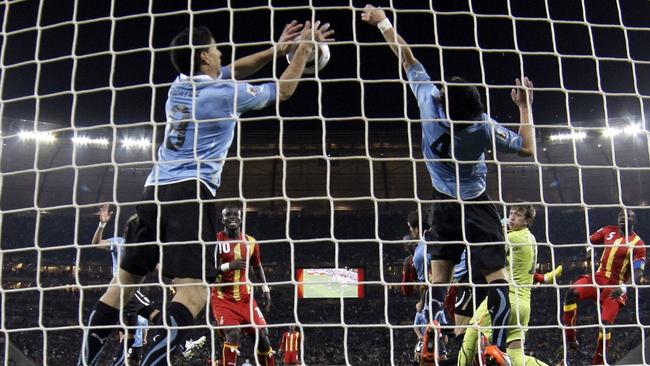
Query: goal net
[326,179]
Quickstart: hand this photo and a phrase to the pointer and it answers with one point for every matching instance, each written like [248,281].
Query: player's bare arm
[522,96]
[377,17]
[248,65]
[308,38]
[258,272]
[105,215]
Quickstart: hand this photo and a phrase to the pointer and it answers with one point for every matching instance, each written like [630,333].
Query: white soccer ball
[312,63]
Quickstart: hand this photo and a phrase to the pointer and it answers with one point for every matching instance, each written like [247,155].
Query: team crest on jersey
[501,134]
[252,90]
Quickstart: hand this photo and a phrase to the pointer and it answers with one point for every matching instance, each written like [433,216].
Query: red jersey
[620,252]
[228,250]
[290,341]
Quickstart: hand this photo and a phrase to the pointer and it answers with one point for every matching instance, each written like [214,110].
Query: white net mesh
[328,177]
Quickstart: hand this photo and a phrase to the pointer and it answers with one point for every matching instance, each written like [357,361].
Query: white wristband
[101,225]
[225,267]
[265,288]
[384,25]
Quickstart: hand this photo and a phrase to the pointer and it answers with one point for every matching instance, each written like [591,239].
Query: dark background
[329,177]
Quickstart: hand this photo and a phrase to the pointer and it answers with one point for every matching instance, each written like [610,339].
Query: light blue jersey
[117,252]
[421,260]
[469,144]
[422,319]
[460,269]
[201,114]
[143,325]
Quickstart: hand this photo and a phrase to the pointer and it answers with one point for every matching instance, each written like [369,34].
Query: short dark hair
[464,101]
[182,56]
[413,219]
[230,208]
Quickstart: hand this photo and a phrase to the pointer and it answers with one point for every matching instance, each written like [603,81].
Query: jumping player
[202,106]
[455,128]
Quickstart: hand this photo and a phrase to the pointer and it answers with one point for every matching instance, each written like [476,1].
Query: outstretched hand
[290,33]
[372,15]
[320,33]
[105,214]
[522,95]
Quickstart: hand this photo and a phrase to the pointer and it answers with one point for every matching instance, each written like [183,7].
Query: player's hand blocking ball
[320,56]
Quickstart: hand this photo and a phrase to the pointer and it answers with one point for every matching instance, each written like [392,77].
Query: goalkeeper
[522,259]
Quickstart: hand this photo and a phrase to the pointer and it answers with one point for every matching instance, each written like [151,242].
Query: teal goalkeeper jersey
[522,259]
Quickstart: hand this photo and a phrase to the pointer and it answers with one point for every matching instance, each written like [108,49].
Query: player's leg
[137,262]
[468,351]
[127,338]
[487,256]
[467,299]
[228,313]
[610,308]
[483,226]
[264,352]
[518,358]
[186,223]
[519,321]
[230,349]
[183,309]
[132,309]
[573,297]
[445,229]
[106,312]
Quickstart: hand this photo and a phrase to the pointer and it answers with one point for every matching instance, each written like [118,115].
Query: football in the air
[323,52]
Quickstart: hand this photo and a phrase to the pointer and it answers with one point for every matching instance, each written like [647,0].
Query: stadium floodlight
[141,143]
[38,136]
[629,130]
[574,135]
[85,140]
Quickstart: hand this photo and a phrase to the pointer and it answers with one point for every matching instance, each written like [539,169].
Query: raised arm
[522,96]
[377,17]
[248,65]
[105,215]
[290,77]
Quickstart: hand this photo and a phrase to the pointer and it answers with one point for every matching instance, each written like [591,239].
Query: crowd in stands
[377,326]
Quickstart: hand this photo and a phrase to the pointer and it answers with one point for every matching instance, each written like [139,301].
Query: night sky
[103,70]
[555,45]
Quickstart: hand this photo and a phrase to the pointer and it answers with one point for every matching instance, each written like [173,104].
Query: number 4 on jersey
[441,146]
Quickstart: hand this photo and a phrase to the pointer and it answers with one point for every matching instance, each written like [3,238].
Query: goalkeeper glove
[552,276]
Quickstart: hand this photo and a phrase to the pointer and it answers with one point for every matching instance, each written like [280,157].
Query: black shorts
[482,225]
[183,256]
[466,293]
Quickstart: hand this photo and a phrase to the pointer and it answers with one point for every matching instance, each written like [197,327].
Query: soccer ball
[312,63]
